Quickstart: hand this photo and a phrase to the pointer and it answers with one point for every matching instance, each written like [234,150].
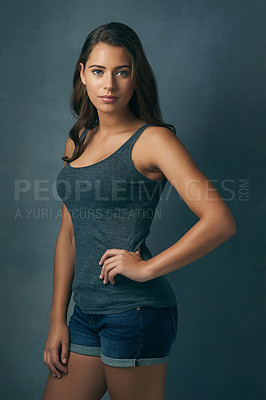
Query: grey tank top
[112,205]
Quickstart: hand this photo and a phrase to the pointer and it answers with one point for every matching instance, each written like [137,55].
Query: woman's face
[108,72]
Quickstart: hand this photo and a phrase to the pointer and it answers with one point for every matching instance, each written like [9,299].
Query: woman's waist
[86,280]
[92,246]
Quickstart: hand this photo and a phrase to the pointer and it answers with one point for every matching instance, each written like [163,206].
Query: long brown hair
[144,102]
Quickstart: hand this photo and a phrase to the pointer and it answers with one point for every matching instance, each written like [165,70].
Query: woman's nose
[110,81]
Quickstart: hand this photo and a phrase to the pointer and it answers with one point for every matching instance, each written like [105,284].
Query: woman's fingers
[56,362]
[51,360]
[109,253]
[110,263]
[110,272]
[65,352]
[115,271]
[119,261]
[56,351]
[49,364]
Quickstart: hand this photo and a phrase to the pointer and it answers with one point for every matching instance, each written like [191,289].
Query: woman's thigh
[85,380]
[135,347]
[143,382]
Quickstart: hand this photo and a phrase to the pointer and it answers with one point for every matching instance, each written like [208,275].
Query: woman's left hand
[123,262]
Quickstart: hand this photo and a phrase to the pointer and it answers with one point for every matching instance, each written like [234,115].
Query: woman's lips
[107,99]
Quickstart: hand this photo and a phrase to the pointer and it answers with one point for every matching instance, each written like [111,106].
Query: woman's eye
[125,73]
[99,72]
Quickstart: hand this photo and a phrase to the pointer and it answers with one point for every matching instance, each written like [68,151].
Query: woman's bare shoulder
[160,133]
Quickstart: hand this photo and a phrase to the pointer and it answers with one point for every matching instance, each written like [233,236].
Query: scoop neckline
[112,154]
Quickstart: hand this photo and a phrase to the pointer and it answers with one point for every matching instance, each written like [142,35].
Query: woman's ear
[81,72]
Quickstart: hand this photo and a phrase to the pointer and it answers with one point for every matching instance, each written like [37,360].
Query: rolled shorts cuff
[87,350]
[132,362]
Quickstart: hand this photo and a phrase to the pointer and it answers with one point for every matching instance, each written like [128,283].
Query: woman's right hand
[56,348]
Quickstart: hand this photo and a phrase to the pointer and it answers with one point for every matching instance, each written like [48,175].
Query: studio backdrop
[209,61]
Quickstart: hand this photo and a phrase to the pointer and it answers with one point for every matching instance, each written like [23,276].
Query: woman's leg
[145,382]
[85,380]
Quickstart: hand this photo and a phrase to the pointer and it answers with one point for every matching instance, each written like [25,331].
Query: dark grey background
[209,60]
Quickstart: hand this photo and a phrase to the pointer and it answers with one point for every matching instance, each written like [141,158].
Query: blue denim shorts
[140,336]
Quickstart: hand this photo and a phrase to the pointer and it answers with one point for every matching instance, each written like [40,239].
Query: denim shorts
[140,336]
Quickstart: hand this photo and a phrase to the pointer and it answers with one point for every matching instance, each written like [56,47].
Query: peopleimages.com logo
[41,190]
[115,190]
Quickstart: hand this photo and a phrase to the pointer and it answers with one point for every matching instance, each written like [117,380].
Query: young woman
[118,158]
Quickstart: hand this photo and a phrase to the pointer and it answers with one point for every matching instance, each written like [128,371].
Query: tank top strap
[82,137]
[83,134]
[137,134]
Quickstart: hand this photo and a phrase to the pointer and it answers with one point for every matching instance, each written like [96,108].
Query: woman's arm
[64,267]
[64,261]
[168,154]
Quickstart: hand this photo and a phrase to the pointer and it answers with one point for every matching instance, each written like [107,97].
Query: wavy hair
[144,102]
